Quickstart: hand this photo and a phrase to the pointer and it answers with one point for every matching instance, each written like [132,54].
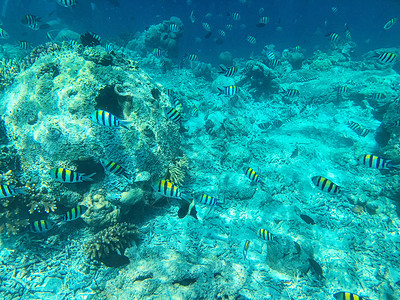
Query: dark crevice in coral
[110,101]
[3,133]
[382,136]
[185,282]
[115,260]
[155,93]
[144,277]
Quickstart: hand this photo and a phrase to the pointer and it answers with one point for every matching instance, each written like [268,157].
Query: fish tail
[221,91]
[125,124]
[21,190]
[88,177]
[185,197]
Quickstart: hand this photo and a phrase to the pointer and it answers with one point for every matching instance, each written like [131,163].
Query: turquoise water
[172,159]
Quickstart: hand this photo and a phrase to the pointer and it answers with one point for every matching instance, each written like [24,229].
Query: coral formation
[112,240]
[177,170]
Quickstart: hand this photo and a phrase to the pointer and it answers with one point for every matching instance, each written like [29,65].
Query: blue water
[303,23]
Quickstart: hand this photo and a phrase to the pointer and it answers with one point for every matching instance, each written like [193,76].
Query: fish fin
[125,124]
[21,190]
[88,177]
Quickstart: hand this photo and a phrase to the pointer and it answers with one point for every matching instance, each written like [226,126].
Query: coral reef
[177,170]
[110,241]
[259,79]
[9,68]
[159,36]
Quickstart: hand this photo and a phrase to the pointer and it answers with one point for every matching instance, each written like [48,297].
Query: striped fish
[252,175]
[221,32]
[251,39]
[72,43]
[326,185]
[378,96]
[270,55]
[275,62]
[173,114]
[375,162]
[75,213]
[291,92]
[390,23]
[66,3]
[50,35]
[174,28]
[69,176]
[264,126]
[109,46]
[262,22]
[190,57]
[386,57]
[342,89]
[333,37]
[3,34]
[246,248]
[235,16]
[30,20]
[358,129]
[177,103]
[347,296]
[41,226]
[228,72]
[206,26]
[107,119]
[158,53]
[265,234]
[208,200]
[112,167]
[95,36]
[195,111]
[24,45]
[228,90]
[7,191]
[168,189]
[229,26]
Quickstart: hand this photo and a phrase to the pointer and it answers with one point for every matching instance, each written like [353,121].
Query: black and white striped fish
[228,72]
[68,176]
[235,16]
[41,226]
[173,114]
[24,45]
[74,213]
[262,22]
[31,21]
[112,167]
[7,191]
[270,55]
[326,185]
[67,3]
[265,234]
[3,34]
[357,128]
[228,90]
[386,57]
[107,119]
[252,175]
[376,162]
[333,37]
[174,28]
[251,39]
[208,200]
[291,92]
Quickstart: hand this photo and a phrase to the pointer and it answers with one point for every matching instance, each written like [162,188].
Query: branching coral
[8,69]
[177,170]
[109,241]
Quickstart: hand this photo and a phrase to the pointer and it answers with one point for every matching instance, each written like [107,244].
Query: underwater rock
[220,82]
[294,58]
[132,196]
[109,245]
[226,58]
